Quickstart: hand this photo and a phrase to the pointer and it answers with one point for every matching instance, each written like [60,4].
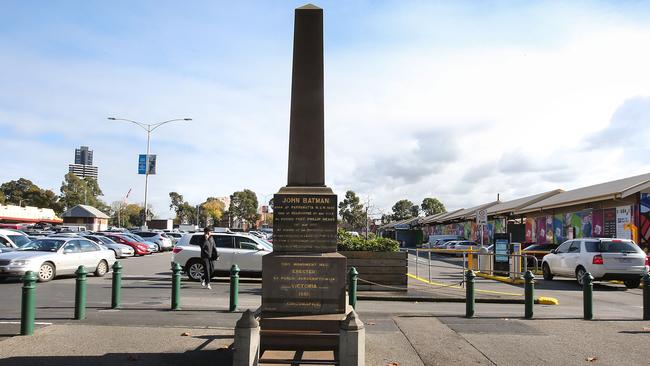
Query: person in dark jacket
[208,252]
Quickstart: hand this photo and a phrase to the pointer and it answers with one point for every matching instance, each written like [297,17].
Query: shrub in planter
[348,242]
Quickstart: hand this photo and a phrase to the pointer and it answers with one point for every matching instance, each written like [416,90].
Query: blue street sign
[142,164]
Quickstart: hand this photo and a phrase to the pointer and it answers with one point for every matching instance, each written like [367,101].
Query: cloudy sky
[455,100]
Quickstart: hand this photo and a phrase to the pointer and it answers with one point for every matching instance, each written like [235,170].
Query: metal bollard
[352,282]
[80,294]
[28,304]
[234,287]
[469,297]
[646,296]
[529,292]
[429,265]
[588,296]
[116,294]
[417,260]
[176,286]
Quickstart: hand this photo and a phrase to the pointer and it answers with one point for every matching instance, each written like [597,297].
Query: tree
[352,211]
[432,206]
[23,192]
[211,211]
[243,206]
[77,191]
[185,213]
[385,219]
[402,210]
[415,211]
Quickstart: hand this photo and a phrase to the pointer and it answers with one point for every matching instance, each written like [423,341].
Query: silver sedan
[50,257]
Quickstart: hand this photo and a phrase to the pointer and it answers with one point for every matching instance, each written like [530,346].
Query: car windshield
[611,246]
[268,245]
[135,237]
[43,245]
[20,240]
[106,240]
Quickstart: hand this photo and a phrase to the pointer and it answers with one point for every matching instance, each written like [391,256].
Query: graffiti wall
[470,230]
[644,220]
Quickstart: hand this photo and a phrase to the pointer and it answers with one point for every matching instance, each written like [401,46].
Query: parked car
[50,257]
[234,248]
[13,238]
[138,248]
[466,245]
[174,236]
[153,247]
[120,250]
[605,259]
[442,243]
[159,238]
[539,256]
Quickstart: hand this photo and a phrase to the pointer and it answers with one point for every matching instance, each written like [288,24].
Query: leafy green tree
[243,206]
[402,210]
[432,206]
[352,212]
[24,192]
[415,211]
[385,219]
[77,191]
[185,213]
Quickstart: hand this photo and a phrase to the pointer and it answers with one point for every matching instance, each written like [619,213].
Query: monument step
[298,340]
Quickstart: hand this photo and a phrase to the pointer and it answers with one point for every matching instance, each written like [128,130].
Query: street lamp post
[149,127]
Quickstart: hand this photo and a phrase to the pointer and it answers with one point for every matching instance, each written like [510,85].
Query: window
[4,242]
[611,246]
[223,241]
[575,247]
[71,247]
[245,243]
[146,234]
[564,247]
[87,246]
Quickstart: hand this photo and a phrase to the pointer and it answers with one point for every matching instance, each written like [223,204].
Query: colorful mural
[644,220]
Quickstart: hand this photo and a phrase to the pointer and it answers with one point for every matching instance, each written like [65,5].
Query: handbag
[214,255]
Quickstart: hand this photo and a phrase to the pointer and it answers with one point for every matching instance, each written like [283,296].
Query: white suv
[234,248]
[605,259]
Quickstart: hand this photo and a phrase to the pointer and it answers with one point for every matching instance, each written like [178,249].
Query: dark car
[546,248]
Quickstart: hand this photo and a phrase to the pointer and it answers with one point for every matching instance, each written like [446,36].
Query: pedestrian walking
[208,254]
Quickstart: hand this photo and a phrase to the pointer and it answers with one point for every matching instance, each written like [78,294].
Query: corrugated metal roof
[512,205]
[431,218]
[620,188]
[84,211]
[469,212]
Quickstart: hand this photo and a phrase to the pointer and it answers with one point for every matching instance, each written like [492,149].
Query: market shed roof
[84,211]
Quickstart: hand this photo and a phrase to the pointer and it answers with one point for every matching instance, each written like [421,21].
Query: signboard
[501,253]
[142,164]
[481,217]
[623,216]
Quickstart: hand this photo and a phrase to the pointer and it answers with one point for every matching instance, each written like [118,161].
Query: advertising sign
[501,252]
[623,216]
[142,164]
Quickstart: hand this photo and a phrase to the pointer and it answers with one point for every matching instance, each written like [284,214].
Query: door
[247,255]
[555,261]
[90,254]
[70,257]
[226,249]
[571,257]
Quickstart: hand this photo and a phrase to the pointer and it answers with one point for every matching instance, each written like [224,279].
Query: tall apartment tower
[83,163]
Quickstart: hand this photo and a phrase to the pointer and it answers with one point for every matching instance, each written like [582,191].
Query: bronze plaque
[304,223]
[303,284]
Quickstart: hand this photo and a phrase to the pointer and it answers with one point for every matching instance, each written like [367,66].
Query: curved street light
[149,127]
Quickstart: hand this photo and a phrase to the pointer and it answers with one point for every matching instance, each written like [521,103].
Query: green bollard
[588,296]
[28,304]
[80,294]
[234,287]
[469,297]
[176,286]
[352,282]
[529,292]
[646,296]
[116,294]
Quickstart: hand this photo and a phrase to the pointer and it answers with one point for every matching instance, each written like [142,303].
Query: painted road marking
[461,288]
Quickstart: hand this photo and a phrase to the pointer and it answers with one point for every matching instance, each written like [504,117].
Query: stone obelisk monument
[303,281]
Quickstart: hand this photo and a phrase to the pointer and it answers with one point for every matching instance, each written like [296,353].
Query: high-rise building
[83,163]
[83,156]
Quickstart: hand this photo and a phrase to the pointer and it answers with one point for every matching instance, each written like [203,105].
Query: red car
[139,248]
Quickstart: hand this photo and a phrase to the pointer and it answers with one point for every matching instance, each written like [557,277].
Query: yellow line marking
[461,288]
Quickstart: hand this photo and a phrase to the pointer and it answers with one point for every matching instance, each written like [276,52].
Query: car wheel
[194,269]
[546,272]
[580,273]
[46,272]
[632,283]
[102,268]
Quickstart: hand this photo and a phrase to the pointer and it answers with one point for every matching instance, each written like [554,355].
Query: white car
[234,248]
[13,239]
[605,259]
[161,239]
[49,257]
